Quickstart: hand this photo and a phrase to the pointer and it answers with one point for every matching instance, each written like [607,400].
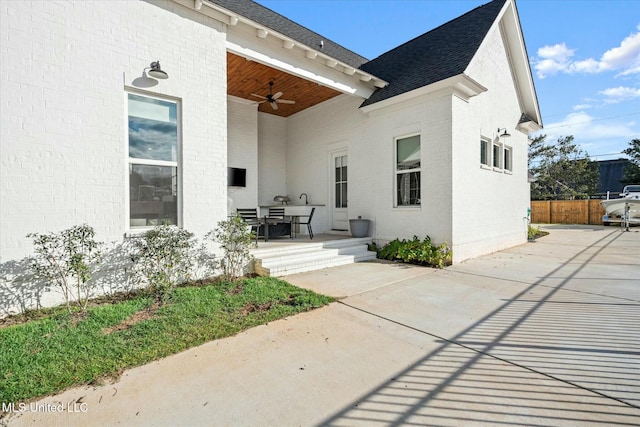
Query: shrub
[416,251]
[535,232]
[234,237]
[164,257]
[66,259]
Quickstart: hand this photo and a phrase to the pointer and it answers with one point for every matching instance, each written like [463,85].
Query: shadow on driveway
[555,354]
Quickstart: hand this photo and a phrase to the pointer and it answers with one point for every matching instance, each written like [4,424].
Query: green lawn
[51,353]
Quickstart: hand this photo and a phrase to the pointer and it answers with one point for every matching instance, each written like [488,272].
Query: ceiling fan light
[273,98]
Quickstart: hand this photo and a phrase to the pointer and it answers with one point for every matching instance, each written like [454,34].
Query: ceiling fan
[273,99]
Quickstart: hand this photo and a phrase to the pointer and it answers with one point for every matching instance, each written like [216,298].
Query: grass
[56,350]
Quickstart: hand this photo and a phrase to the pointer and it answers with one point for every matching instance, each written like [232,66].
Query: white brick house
[408,124]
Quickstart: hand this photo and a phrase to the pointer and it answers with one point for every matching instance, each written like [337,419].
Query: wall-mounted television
[236,177]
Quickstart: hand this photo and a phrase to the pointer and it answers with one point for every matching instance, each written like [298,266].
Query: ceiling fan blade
[285,101]
[274,105]
[258,96]
[277,95]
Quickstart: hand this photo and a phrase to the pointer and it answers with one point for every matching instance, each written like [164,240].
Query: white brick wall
[499,199]
[312,136]
[65,67]
[477,211]
[369,139]
[242,151]
[272,157]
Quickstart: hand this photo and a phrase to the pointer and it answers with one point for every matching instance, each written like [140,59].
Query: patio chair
[282,224]
[250,216]
[307,222]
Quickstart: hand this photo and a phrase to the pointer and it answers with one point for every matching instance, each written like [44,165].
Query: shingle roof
[276,22]
[439,54]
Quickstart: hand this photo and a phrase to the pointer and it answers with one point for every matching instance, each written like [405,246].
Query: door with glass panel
[340,192]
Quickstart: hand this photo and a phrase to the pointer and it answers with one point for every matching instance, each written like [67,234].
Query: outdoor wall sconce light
[156,72]
[505,134]
[149,76]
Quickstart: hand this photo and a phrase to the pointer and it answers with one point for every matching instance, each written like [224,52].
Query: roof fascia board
[196,5]
[273,56]
[231,19]
[511,32]
[461,86]
[520,61]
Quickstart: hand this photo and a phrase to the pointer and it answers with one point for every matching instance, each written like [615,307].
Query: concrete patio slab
[474,344]
[354,279]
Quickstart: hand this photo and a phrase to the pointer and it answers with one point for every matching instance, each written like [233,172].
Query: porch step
[298,258]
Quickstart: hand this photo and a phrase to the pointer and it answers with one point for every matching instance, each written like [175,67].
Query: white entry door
[340,193]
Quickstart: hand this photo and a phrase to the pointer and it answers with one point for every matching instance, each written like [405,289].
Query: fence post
[588,212]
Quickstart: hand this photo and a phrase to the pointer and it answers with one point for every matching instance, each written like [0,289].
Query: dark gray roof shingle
[439,54]
[276,22]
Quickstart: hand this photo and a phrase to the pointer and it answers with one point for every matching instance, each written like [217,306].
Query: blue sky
[584,54]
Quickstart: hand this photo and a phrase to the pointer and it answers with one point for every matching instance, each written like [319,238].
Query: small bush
[234,237]
[164,257]
[67,259]
[416,251]
[535,232]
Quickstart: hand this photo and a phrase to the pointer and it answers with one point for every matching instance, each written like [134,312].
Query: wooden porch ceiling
[246,77]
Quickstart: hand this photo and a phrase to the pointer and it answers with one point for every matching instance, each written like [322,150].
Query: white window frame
[496,162]
[149,162]
[507,160]
[486,151]
[397,173]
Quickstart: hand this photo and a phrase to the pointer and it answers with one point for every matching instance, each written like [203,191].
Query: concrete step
[296,258]
[295,248]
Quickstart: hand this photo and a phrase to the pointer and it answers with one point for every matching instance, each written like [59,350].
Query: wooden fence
[566,212]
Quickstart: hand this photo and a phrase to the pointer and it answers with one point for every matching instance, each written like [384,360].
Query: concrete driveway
[547,333]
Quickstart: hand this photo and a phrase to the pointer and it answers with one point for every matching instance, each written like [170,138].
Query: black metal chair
[277,217]
[250,216]
[307,222]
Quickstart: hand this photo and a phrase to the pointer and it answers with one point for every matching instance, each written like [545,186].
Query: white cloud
[559,58]
[624,57]
[553,59]
[582,107]
[595,135]
[585,66]
[616,94]
[558,52]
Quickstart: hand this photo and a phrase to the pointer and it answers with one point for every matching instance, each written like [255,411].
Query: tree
[632,170]
[562,169]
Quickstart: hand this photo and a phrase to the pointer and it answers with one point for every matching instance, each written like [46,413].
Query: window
[153,161]
[408,171]
[496,155]
[507,159]
[341,181]
[484,152]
